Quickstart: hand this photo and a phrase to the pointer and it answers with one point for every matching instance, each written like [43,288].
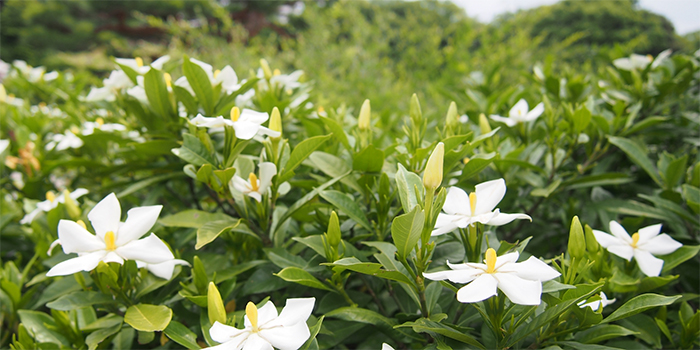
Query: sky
[684,14]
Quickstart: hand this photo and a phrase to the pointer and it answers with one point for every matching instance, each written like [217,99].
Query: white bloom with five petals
[520,282]
[462,210]
[51,202]
[246,123]
[643,245]
[254,187]
[520,113]
[114,241]
[264,329]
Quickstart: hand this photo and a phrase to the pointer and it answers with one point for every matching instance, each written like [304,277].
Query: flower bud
[432,177]
[71,205]
[3,93]
[266,68]
[591,242]
[363,120]
[215,306]
[276,122]
[452,118]
[484,124]
[333,231]
[577,240]
[414,110]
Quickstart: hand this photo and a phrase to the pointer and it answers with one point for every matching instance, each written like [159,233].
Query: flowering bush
[243,193]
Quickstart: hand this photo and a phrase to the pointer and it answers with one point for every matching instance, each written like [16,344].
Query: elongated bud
[168,79]
[266,69]
[276,122]
[577,240]
[452,118]
[415,111]
[363,120]
[432,177]
[71,205]
[3,93]
[484,124]
[333,230]
[215,306]
[591,242]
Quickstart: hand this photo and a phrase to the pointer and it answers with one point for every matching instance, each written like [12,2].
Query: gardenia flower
[246,124]
[520,282]
[163,270]
[520,113]
[254,187]
[462,210]
[51,202]
[264,329]
[643,245]
[137,63]
[226,77]
[114,241]
[633,62]
[597,304]
[99,123]
[64,141]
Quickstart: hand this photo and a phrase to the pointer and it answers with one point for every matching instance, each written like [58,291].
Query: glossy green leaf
[79,299]
[637,155]
[601,333]
[209,231]
[97,337]
[370,159]
[639,304]
[347,205]
[157,93]
[406,230]
[302,151]
[372,269]
[148,318]
[199,81]
[182,335]
[680,256]
[297,275]
[192,218]
[424,325]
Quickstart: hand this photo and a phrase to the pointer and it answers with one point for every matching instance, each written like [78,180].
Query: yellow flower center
[465,160]
[490,260]
[168,79]
[321,109]
[253,182]
[74,129]
[472,201]
[235,114]
[109,240]
[82,224]
[216,73]
[635,239]
[139,61]
[99,121]
[252,312]
[276,72]
[42,105]
[50,196]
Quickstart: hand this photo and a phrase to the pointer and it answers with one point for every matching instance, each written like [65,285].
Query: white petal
[249,115]
[158,64]
[27,219]
[518,290]
[269,132]
[75,239]
[255,342]
[86,262]
[245,130]
[519,111]
[503,218]
[649,264]
[165,269]
[78,193]
[622,250]
[456,202]
[297,310]
[660,245]
[222,333]
[623,63]
[506,259]
[456,276]
[535,112]
[255,195]
[649,232]
[288,337]
[105,216]
[150,250]
[445,223]
[138,222]
[606,240]
[240,185]
[386,346]
[267,171]
[534,269]
[504,120]
[618,231]
[488,195]
[482,288]
[266,313]
[228,79]
[208,69]
[53,245]
[113,257]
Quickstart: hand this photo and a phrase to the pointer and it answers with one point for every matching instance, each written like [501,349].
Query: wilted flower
[264,329]
[643,245]
[520,113]
[246,124]
[254,187]
[462,210]
[51,202]
[520,282]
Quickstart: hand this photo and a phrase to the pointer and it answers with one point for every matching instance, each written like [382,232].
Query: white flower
[462,210]
[50,76]
[598,303]
[163,270]
[138,92]
[520,282]
[246,124]
[100,94]
[4,144]
[254,187]
[287,81]
[99,124]
[633,62]
[643,245]
[264,329]
[137,63]
[51,202]
[64,141]
[245,99]
[386,346]
[117,80]
[226,77]
[520,113]
[114,241]
[661,58]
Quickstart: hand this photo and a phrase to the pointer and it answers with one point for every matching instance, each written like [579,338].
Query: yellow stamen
[252,312]
[321,109]
[139,61]
[168,79]
[635,239]
[235,114]
[50,196]
[490,260]
[276,72]
[216,73]
[472,201]
[99,121]
[465,160]
[74,129]
[42,105]
[109,240]
[253,182]
[82,224]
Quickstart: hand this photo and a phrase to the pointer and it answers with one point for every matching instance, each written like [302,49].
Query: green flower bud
[591,243]
[215,305]
[577,240]
[364,118]
[432,177]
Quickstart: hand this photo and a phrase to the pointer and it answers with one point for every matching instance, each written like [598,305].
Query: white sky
[684,14]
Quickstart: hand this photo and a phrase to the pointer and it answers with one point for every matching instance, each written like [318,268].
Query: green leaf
[314,242]
[238,269]
[333,167]
[580,346]
[597,180]
[297,275]
[98,336]
[199,81]
[186,98]
[639,304]
[337,131]
[182,335]
[302,151]
[356,314]
[209,231]
[193,151]
[148,318]
[372,269]
[476,164]
[675,171]
[680,256]
[79,299]
[406,230]
[600,333]
[370,159]
[157,93]
[643,124]
[42,327]
[424,325]
[547,191]
[582,117]
[637,155]
[314,332]
[192,218]
[149,181]
[348,206]
[406,183]
[692,197]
